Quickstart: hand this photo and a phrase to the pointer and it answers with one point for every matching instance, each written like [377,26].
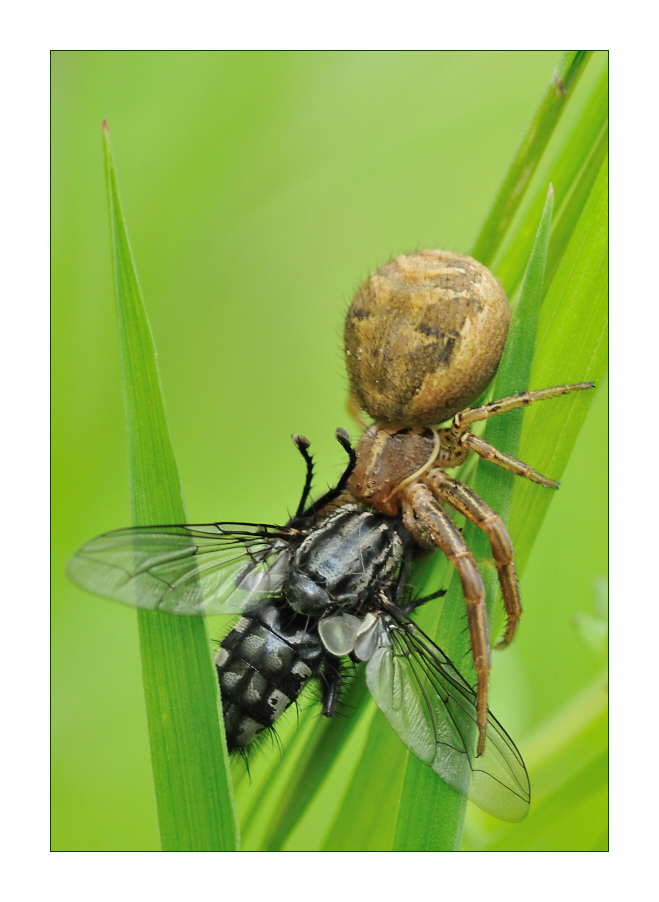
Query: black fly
[330,583]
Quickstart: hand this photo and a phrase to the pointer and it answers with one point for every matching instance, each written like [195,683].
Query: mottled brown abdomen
[424,336]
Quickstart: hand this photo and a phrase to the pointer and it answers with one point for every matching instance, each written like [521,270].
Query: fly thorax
[342,561]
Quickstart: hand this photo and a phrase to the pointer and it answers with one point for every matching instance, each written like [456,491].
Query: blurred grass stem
[529,153]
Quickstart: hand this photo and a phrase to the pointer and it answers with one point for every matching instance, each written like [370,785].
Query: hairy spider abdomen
[424,336]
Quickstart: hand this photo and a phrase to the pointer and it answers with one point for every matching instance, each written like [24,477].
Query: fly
[329,585]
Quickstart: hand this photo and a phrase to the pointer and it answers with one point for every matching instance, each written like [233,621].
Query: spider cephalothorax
[423,337]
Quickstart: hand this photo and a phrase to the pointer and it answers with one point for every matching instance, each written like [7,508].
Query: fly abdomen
[262,665]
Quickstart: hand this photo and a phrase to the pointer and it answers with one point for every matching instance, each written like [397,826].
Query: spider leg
[475,509]
[424,518]
[518,467]
[521,399]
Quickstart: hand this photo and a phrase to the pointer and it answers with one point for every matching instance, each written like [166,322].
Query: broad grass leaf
[192,785]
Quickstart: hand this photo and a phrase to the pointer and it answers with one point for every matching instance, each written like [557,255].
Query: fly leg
[417,602]
[302,443]
[343,438]
[429,524]
[469,504]
[331,683]
[413,603]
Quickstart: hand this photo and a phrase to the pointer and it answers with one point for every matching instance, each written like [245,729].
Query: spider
[423,337]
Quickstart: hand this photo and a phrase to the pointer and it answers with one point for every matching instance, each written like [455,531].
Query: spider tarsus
[481,741]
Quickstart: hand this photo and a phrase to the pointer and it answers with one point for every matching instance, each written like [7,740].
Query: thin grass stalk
[563,229]
[564,174]
[529,153]
[192,784]
[314,765]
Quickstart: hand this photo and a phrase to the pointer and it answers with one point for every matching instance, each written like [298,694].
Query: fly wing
[196,570]
[433,710]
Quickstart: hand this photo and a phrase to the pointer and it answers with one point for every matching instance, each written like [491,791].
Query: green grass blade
[563,229]
[192,787]
[431,816]
[574,154]
[528,154]
[574,317]
[574,308]
[329,737]
[567,760]
[373,792]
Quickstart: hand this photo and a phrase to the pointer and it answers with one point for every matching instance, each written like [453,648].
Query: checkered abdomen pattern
[262,665]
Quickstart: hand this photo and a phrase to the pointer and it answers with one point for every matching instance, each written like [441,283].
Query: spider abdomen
[263,665]
[424,336]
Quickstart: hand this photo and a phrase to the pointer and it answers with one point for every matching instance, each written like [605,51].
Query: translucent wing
[214,568]
[433,710]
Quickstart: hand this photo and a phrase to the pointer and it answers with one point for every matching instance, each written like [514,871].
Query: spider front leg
[430,526]
[505,461]
[468,503]
[458,439]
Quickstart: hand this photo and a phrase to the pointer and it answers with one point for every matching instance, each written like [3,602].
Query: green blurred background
[260,188]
